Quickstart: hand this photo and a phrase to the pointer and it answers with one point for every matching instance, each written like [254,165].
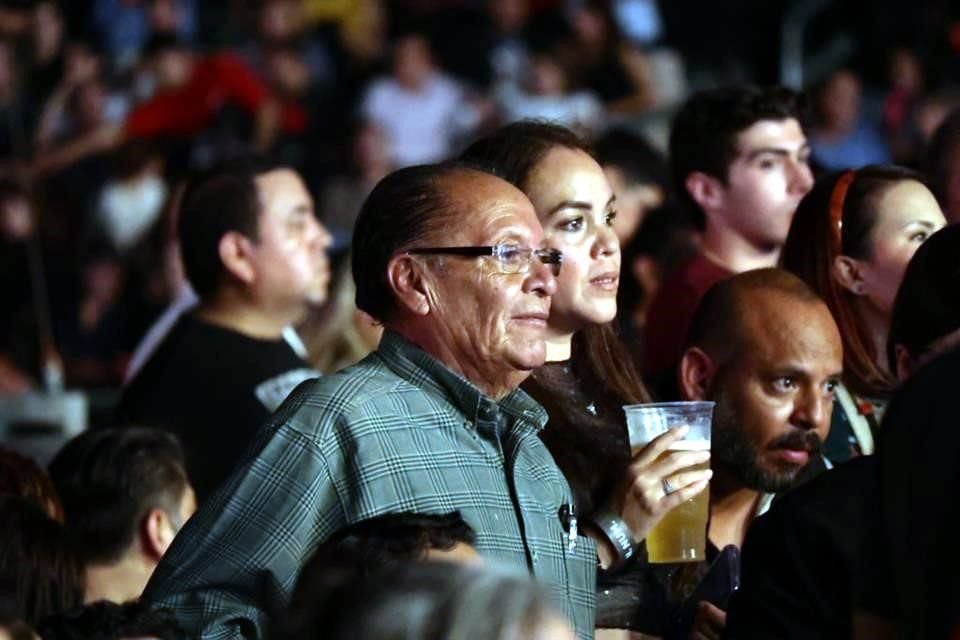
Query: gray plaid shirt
[396,432]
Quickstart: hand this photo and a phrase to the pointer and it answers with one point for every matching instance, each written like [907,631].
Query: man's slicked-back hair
[402,211]
[704,133]
[110,479]
[717,324]
[215,202]
[513,151]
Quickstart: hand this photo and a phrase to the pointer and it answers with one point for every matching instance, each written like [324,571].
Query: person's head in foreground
[431,601]
[40,573]
[105,620]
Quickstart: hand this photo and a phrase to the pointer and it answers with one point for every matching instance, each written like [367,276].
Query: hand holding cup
[658,480]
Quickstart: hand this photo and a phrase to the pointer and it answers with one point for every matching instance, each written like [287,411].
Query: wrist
[617,537]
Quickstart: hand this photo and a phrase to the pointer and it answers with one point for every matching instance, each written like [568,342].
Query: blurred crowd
[104,112]
[365,285]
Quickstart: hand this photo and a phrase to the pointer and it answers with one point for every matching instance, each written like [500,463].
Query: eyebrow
[578,204]
[750,155]
[798,372]
[923,223]
[510,237]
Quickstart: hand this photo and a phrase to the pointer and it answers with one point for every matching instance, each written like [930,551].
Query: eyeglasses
[512,258]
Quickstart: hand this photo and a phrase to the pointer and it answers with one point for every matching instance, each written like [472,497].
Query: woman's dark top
[587,436]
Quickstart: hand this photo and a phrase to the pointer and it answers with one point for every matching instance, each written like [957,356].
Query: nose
[812,410]
[606,243]
[801,180]
[540,280]
[320,237]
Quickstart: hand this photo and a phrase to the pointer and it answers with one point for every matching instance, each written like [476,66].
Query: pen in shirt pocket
[568,519]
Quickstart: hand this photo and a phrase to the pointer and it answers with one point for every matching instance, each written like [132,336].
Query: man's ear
[406,279]
[235,251]
[696,373]
[708,192]
[156,533]
[848,274]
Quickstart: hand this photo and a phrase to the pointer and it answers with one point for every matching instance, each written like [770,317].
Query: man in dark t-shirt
[255,254]
[739,156]
[767,351]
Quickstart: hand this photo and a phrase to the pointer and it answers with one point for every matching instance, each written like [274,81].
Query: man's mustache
[799,440]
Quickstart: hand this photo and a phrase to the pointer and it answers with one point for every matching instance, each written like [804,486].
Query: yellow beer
[682,534]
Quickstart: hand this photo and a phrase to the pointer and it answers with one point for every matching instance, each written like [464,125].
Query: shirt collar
[420,368]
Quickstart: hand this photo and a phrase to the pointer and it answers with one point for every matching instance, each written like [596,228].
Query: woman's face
[907,214]
[575,205]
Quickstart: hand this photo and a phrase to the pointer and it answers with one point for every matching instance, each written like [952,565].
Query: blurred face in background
[546,77]
[89,105]
[172,68]
[47,30]
[590,27]
[509,16]
[905,71]
[280,20]
[840,102]
[288,72]
[16,219]
[634,200]
[371,150]
[80,63]
[165,16]
[412,62]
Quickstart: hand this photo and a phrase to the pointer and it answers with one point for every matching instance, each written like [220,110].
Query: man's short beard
[738,457]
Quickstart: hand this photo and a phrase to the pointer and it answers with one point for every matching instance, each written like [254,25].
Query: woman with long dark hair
[851,239]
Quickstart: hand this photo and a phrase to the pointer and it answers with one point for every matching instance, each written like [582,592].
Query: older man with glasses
[449,260]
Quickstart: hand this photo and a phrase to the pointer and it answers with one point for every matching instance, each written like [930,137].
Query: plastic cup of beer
[681,536]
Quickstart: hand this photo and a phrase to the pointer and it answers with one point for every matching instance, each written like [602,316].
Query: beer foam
[690,445]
